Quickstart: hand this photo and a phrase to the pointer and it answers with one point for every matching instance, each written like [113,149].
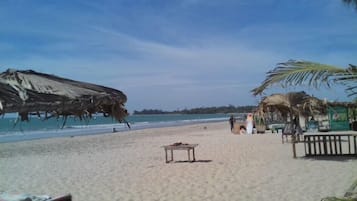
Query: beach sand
[131,166]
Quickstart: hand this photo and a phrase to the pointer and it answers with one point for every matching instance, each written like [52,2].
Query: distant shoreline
[202,110]
[97,130]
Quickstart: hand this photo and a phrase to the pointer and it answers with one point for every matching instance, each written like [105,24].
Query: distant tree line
[202,110]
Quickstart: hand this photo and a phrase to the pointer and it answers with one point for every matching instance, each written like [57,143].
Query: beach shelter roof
[28,92]
[293,103]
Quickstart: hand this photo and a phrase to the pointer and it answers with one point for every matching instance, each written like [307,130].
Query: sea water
[11,129]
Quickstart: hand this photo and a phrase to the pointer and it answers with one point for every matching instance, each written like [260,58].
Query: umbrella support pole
[294,145]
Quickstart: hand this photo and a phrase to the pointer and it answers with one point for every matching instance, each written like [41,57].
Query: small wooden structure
[330,144]
[287,131]
[180,146]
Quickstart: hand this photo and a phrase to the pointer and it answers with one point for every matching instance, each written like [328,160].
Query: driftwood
[32,93]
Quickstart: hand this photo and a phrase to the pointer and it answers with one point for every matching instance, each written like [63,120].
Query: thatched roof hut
[29,92]
[293,104]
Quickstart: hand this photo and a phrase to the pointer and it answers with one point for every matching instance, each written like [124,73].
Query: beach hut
[296,106]
[342,116]
[32,93]
[292,104]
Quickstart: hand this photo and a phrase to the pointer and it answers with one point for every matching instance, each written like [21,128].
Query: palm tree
[292,73]
[351,2]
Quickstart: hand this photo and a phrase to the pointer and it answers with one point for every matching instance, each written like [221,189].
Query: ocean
[12,130]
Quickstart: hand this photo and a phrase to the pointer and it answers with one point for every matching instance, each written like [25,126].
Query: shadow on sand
[329,158]
[196,161]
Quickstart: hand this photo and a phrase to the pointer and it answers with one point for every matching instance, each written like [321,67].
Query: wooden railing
[330,145]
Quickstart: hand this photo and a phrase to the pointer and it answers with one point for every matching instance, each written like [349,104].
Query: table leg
[172,155]
[166,156]
[193,154]
[188,153]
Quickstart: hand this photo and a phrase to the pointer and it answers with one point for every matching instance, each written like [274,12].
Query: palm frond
[350,74]
[292,73]
[352,91]
[351,2]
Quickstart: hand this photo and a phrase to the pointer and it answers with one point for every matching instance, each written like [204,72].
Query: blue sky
[176,54]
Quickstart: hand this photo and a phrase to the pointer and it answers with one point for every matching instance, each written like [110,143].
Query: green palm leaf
[351,2]
[293,73]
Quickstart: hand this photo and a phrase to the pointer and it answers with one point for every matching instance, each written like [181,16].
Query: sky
[177,54]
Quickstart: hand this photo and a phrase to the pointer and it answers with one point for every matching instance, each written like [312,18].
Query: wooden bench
[180,146]
[295,133]
[330,144]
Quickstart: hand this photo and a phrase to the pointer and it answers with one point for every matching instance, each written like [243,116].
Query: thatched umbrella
[293,104]
[33,93]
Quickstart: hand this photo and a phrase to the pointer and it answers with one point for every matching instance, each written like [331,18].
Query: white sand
[131,166]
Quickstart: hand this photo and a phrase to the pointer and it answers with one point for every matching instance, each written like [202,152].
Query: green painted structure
[338,116]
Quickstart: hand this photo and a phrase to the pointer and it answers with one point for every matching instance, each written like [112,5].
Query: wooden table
[187,147]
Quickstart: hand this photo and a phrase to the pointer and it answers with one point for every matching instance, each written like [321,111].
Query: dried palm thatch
[293,104]
[33,93]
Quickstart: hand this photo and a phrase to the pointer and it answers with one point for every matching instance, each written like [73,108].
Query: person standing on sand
[249,123]
[231,122]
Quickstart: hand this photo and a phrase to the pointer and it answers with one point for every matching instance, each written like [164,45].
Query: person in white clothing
[249,123]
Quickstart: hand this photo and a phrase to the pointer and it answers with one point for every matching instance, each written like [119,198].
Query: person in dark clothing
[231,121]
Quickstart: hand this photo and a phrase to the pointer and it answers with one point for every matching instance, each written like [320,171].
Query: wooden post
[193,154]
[349,145]
[329,139]
[335,144]
[319,142]
[294,146]
[340,144]
[325,145]
[309,144]
[354,143]
[188,154]
[305,137]
[166,156]
[314,139]
[172,155]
